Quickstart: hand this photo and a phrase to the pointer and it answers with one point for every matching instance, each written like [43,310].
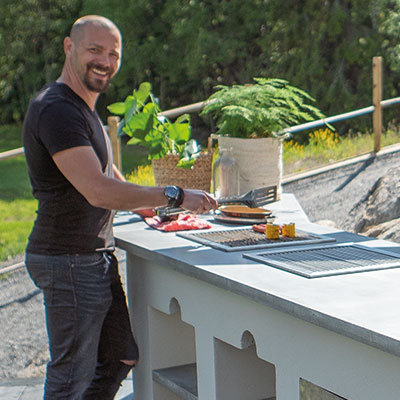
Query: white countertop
[364,306]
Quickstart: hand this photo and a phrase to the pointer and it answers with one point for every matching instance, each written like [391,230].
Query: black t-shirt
[58,119]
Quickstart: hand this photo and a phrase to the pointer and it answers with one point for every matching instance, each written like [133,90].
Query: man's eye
[93,50]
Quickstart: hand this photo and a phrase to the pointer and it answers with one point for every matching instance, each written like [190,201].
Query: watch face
[171,192]
[174,194]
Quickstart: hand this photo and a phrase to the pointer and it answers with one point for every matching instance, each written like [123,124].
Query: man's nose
[104,60]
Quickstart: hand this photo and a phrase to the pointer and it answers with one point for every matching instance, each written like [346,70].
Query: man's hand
[198,201]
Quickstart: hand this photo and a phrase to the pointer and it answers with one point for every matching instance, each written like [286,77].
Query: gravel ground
[23,348]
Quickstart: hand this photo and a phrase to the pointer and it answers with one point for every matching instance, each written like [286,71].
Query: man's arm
[82,168]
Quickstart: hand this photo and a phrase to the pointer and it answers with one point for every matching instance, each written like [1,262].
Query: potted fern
[176,157]
[260,112]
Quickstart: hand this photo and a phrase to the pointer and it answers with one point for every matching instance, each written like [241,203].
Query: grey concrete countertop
[364,306]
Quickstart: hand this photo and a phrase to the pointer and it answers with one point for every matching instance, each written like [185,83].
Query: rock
[389,230]
[326,222]
[379,206]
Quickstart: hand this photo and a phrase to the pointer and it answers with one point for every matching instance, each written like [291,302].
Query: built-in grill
[248,239]
[327,260]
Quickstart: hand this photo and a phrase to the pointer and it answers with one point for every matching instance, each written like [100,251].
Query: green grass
[17,205]
[326,147]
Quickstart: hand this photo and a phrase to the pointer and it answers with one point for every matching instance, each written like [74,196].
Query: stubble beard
[96,85]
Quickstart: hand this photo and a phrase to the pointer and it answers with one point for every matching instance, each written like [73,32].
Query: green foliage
[259,110]
[324,47]
[144,123]
[186,48]
[31,49]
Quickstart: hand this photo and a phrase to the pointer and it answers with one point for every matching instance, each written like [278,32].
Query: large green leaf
[143,93]
[140,124]
[134,140]
[130,107]
[117,108]
[179,132]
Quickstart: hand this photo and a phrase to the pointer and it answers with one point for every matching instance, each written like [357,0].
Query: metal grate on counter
[248,239]
[328,260]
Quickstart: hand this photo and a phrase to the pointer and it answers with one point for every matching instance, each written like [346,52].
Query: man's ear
[68,45]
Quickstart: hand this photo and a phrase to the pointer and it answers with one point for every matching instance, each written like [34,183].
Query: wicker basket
[199,177]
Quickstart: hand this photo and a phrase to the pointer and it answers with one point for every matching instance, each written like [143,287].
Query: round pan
[244,211]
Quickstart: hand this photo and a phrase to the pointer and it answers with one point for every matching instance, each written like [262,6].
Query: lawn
[17,205]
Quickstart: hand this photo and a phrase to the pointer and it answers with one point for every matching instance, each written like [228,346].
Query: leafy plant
[262,109]
[144,123]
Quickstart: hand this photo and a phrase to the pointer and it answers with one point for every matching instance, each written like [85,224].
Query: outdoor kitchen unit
[258,322]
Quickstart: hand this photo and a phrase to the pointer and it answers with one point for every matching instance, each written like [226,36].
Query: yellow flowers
[323,147]
[325,138]
[293,147]
[142,175]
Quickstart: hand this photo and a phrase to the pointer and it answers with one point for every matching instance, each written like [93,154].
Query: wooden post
[115,140]
[376,101]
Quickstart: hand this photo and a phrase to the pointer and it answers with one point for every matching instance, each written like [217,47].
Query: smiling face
[92,57]
[96,56]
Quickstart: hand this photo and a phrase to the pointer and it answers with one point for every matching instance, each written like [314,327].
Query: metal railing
[11,153]
[341,117]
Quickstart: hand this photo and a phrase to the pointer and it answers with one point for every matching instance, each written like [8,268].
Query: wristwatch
[174,195]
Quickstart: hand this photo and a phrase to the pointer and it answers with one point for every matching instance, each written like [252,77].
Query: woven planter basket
[199,177]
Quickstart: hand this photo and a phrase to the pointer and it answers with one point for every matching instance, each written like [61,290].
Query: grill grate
[319,261]
[248,239]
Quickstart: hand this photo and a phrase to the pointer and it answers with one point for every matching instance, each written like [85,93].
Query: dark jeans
[87,324]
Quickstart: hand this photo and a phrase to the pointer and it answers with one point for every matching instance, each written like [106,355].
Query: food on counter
[272,231]
[259,228]
[183,222]
[244,211]
[289,230]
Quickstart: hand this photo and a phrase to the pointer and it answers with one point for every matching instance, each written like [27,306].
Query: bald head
[92,56]
[91,21]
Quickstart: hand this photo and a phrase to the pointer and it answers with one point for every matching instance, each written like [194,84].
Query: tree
[31,49]
[185,48]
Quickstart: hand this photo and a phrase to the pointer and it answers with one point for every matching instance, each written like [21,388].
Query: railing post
[376,101]
[115,140]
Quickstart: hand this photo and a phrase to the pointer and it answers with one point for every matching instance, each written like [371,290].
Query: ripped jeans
[87,324]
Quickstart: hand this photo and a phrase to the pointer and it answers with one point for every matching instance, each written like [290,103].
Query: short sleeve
[62,126]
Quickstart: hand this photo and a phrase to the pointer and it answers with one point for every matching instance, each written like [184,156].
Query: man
[70,250]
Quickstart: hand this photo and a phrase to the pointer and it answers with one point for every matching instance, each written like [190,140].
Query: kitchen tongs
[254,198]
